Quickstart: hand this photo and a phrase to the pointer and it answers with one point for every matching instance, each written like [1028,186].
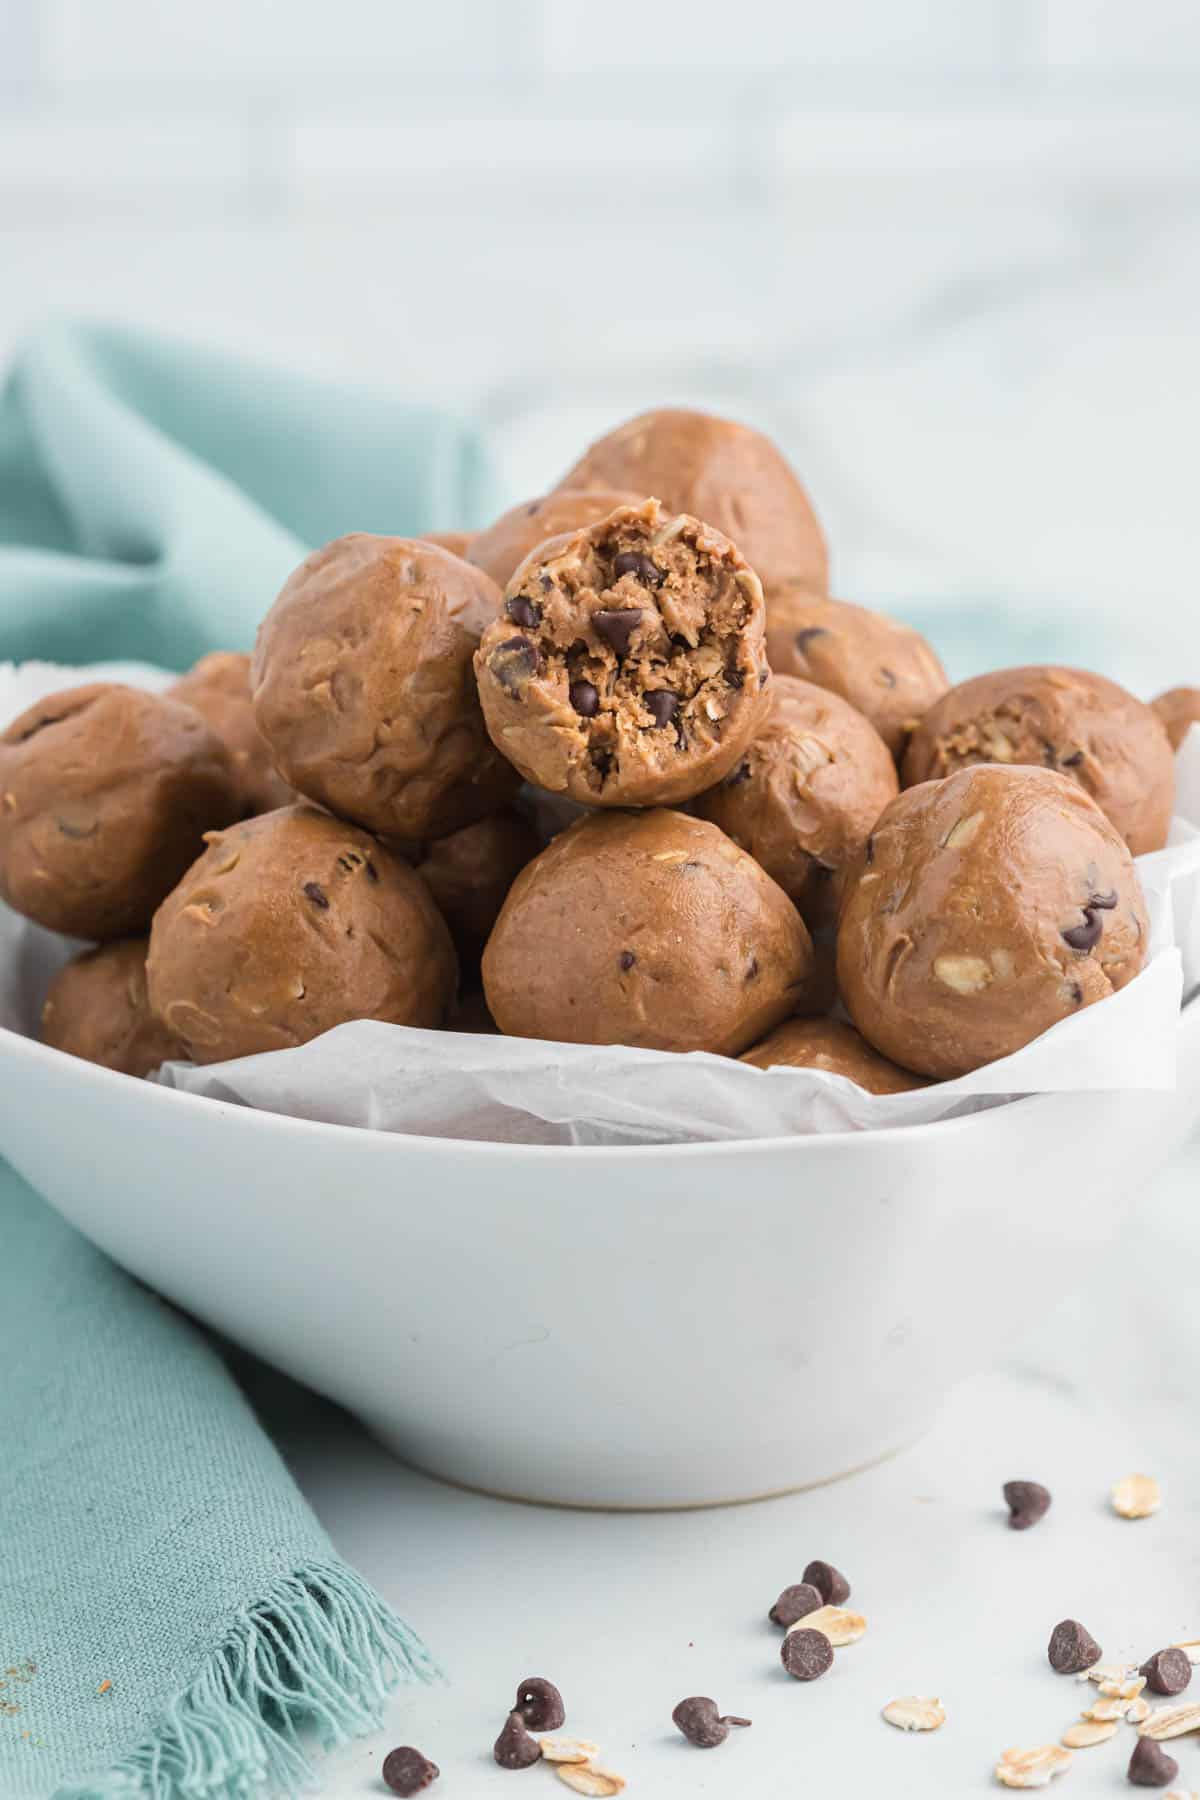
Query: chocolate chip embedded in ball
[806,1654]
[365,691]
[515,1748]
[1150,1766]
[702,1723]
[406,1771]
[639,683]
[1027,1502]
[795,1603]
[540,1704]
[1167,1671]
[829,1582]
[717,470]
[1072,1648]
[105,795]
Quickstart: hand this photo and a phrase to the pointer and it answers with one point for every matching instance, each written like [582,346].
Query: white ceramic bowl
[655,1326]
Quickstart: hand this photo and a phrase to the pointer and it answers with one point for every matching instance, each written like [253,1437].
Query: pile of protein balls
[614,771]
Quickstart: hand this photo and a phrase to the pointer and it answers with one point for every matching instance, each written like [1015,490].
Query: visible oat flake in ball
[635,679]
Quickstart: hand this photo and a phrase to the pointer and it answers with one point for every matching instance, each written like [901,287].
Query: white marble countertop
[630,1613]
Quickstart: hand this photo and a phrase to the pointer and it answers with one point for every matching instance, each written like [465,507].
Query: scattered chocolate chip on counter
[1167,1671]
[794,1602]
[829,1582]
[806,1654]
[1150,1766]
[1027,1502]
[515,1748]
[1072,1648]
[540,1704]
[702,1723]
[407,1771]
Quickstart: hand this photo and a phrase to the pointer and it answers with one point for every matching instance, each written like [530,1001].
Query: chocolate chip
[869,858]
[523,611]
[752,968]
[514,661]
[804,638]
[584,699]
[740,774]
[75,831]
[1150,1766]
[829,1582]
[1028,1501]
[632,562]
[1076,993]
[1167,1671]
[1073,761]
[317,895]
[764,677]
[616,625]
[1072,1649]
[540,1704]
[1086,936]
[372,871]
[889,680]
[662,705]
[626,960]
[1103,902]
[806,1654]
[734,678]
[702,1724]
[406,1771]
[795,1603]
[545,582]
[515,1748]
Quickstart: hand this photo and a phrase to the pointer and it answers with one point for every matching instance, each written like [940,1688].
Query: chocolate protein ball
[105,795]
[97,1008]
[984,909]
[1179,710]
[219,689]
[1101,737]
[364,690]
[290,924]
[457,542]
[648,929]
[837,1049]
[470,872]
[886,670]
[729,475]
[503,547]
[805,794]
[628,666]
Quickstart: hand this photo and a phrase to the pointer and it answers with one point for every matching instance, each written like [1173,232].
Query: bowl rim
[261,1118]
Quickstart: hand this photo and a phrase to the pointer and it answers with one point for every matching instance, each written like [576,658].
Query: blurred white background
[948,251]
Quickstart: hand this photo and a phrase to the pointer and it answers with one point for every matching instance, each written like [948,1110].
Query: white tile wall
[947,250]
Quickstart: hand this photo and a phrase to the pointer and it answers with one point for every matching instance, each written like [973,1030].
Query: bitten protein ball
[984,909]
[470,872]
[648,929]
[105,795]
[806,793]
[502,548]
[837,1049]
[1093,731]
[1179,710]
[364,690]
[886,670]
[290,924]
[219,689]
[729,475]
[97,1008]
[628,667]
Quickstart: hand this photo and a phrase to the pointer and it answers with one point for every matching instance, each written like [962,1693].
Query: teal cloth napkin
[170,1611]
